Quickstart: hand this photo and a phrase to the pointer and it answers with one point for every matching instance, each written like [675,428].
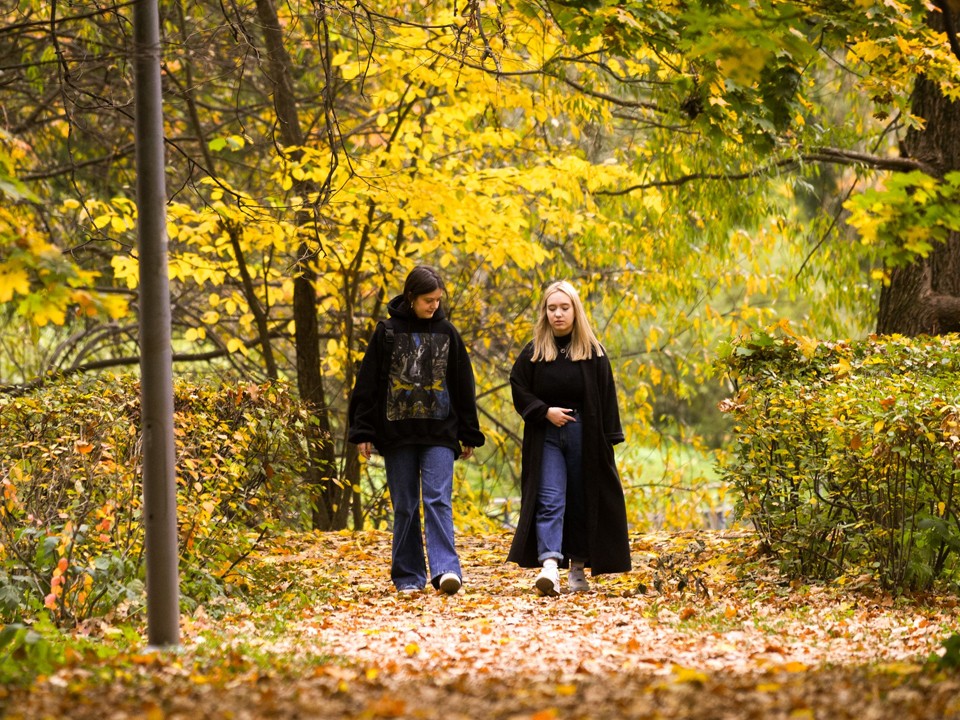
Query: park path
[702,628]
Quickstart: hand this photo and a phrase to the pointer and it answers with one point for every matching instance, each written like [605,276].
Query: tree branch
[825,155]
[126,361]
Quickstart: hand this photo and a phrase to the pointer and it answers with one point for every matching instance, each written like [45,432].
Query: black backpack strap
[386,355]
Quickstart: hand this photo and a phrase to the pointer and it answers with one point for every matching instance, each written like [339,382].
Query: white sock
[550,563]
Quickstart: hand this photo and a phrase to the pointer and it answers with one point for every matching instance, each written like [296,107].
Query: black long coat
[606,514]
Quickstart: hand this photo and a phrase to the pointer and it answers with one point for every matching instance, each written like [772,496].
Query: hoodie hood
[399,308]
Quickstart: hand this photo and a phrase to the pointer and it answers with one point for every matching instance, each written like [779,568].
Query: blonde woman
[572,510]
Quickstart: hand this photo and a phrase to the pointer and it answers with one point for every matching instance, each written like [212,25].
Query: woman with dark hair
[414,400]
[572,509]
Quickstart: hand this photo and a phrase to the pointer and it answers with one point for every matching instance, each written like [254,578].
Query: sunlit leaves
[908,217]
[44,284]
[508,145]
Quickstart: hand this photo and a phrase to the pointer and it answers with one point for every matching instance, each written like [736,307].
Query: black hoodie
[428,395]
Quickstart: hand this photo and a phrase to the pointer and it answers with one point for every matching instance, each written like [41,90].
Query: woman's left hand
[467,453]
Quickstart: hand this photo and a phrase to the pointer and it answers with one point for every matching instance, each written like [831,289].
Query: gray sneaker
[548,582]
[577,580]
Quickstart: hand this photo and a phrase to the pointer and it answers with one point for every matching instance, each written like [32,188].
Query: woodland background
[758,203]
[702,171]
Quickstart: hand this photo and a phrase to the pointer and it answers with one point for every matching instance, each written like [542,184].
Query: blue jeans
[408,468]
[560,497]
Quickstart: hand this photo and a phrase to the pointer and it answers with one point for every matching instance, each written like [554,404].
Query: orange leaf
[548,714]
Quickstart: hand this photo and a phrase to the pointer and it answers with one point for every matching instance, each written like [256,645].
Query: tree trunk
[924,298]
[329,497]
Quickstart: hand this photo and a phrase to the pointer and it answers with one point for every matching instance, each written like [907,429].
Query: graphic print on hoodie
[418,371]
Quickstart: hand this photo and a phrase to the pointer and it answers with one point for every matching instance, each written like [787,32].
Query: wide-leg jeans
[413,470]
[560,495]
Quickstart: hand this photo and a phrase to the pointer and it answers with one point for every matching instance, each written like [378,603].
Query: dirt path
[734,642]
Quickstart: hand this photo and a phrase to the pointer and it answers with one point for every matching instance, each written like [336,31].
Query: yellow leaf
[13,282]
[115,306]
[411,649]
[350,70]
[340,58]
[842,367]
[49,313]
[901,668]
[688,675]
[127,269]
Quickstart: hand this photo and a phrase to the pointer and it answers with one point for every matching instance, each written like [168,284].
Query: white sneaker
[576,579]
[449,584]
[548,581]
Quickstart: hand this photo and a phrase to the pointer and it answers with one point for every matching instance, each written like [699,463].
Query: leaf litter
[704,627]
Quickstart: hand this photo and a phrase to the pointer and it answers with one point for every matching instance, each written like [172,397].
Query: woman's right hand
[366,449]
[560,416]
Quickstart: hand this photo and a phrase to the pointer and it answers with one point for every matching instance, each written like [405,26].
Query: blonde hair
[583,341]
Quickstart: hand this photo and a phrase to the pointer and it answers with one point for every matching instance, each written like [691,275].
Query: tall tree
[923,297]
[330,498]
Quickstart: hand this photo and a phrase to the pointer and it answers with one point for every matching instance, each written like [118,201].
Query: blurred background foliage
[688,166]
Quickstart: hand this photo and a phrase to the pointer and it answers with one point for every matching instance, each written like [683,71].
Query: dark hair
[422,280]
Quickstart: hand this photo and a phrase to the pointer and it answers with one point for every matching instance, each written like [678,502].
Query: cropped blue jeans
[412,471]
[560,497]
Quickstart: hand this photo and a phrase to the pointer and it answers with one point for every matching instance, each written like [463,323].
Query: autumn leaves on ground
[704,627]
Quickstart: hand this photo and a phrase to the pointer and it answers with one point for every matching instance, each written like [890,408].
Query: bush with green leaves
[71,534]
[847,455]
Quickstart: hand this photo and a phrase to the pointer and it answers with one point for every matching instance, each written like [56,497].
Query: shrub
[848,454]
[71,536]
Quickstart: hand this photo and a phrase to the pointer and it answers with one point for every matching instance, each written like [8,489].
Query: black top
[415,385]
[606,516]
[559,383]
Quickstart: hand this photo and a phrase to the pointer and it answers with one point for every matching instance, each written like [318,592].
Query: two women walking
[415,401]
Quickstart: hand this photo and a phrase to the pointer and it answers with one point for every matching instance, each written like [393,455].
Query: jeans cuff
[548,555]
